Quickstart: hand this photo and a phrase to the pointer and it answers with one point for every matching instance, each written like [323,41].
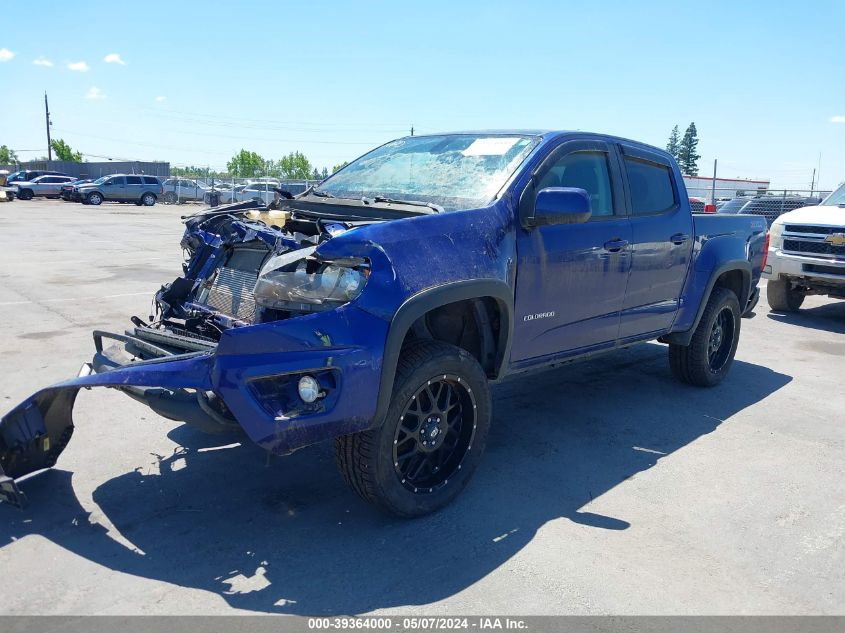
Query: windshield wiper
[436,208]
[322,194]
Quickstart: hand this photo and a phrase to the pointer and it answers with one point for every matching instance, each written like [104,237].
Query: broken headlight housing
[309,284]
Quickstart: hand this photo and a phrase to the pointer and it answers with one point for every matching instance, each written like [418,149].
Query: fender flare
[426,300]
[684,338]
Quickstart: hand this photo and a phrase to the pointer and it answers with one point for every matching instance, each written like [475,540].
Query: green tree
[64,151]
[294,165]
[324,174]
[339,167]
[687,154]
[246,164]
[315,174]
[8,156]
[674,144]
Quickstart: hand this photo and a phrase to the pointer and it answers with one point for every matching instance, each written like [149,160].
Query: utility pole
[47,117]
[412,130]
[713,188]
[813,183]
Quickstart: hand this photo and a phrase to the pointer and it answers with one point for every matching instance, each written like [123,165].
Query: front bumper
[830,270]
[244,382]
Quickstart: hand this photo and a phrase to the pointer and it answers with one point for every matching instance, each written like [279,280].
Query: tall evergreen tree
[688,157]
[674,144]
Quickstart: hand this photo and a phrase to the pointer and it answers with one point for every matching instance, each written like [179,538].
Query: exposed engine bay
[245,264]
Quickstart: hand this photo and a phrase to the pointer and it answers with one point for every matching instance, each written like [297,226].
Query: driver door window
[584,170]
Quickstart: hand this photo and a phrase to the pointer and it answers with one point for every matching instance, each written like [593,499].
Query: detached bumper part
[10,493]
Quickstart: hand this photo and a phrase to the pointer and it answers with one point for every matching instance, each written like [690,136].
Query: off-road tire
[366,459]
[782,297]
[692,363]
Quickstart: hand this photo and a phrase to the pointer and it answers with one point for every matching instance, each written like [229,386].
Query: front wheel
[707,359]
[25,194]
[95,199]
[783,297]
[432,438]
[170,198]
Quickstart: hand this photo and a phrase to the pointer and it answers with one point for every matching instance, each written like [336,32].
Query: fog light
[309,389]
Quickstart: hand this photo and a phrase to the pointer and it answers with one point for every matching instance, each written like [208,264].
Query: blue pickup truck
[376,308]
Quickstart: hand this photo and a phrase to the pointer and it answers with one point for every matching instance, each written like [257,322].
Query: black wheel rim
[434,434]
[721,340]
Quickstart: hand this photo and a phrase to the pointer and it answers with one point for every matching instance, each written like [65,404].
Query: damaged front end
[256,310]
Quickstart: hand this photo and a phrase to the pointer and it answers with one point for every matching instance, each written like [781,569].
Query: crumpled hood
[818,214]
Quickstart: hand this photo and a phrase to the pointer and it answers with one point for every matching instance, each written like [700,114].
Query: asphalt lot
[607,486]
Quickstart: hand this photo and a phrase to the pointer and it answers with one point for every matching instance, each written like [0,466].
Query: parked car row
[143,190]
[137,188]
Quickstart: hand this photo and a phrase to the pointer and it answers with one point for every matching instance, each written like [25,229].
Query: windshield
[455,171]
[837,197]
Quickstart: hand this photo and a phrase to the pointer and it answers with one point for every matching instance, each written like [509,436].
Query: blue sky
[193,82]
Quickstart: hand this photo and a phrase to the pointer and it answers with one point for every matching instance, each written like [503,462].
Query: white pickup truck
[807,254]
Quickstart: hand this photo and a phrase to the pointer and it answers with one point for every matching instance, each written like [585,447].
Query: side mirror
[560,205]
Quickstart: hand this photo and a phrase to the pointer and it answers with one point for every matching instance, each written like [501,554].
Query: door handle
[615,245]
[679,238]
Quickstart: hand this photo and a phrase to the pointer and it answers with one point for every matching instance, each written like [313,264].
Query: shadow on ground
[289,537]
[829,317]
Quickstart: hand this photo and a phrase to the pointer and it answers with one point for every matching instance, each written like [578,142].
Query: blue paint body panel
[573,289]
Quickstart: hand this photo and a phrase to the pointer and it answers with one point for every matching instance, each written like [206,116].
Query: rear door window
[650,185]
[133,180]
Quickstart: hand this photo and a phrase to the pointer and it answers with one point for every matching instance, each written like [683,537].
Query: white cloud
[95,94]
[160,99]
[5,54]
[114,58]
[840,118]
[42,61]
[80,67]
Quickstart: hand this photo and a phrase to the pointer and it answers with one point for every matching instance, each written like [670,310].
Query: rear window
[733,206]
[133,180]
[150,180]
[651,187]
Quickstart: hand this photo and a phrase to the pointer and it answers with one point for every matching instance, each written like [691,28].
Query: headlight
[776,235]
[310,285]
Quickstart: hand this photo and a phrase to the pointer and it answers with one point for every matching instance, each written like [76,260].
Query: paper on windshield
[494,146]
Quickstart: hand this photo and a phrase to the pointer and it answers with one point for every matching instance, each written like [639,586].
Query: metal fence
[95,170]
[210,190]
[771,204]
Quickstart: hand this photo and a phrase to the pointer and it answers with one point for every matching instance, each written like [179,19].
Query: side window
[651,187]
[133,180]
[149,180]
[585,170]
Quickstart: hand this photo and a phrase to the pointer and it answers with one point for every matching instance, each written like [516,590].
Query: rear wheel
[432,438]
[783,297]
[95,198]
[148,199]
[707,359]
